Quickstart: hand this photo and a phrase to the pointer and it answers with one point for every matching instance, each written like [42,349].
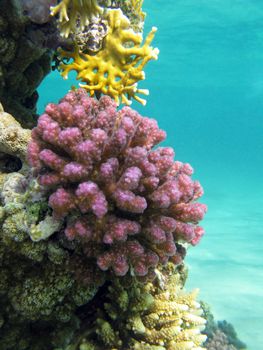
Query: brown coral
[155,316]
[219,341]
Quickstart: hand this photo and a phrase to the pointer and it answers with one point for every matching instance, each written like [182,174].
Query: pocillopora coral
[154,316]
[118,66]
[75,13]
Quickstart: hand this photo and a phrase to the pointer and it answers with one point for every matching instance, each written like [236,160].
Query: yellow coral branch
[73,13]
[118,66]
[137,6]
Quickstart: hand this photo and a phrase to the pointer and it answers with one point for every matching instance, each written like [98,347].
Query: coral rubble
[130,205]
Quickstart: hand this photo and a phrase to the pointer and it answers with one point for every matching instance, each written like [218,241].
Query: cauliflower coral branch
[129,203]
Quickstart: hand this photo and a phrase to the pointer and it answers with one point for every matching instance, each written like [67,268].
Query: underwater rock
[13,138]
[38,10]
[40,291]
[24,62]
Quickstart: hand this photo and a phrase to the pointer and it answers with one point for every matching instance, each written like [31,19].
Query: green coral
[157,315]
[40,291]
[37,296]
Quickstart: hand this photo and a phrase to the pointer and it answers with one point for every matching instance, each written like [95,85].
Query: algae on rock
[40,291]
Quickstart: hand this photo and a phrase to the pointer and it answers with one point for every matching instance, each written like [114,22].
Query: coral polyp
[129,203]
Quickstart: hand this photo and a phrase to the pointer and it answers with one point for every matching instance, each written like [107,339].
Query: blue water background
[206,91]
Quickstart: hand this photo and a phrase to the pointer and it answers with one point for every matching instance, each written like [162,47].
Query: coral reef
[118,66]
[219,341]
[130,205]
[40,291]
[75,13]
[90,39]
[41,287]
[131,8]
[24,61]
[101,200]
[221,334]
[13,139]
[155,316]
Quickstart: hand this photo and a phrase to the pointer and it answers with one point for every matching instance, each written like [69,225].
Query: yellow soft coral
[74,13]
[118,66]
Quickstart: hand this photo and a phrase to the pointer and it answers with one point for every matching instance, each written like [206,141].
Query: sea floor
[227,266]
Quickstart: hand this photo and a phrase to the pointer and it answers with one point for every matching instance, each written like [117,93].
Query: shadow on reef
[26,48]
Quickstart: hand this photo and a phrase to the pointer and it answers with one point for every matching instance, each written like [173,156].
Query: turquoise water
[207,93]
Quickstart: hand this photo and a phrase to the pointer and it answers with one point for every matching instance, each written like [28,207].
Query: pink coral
[130,204]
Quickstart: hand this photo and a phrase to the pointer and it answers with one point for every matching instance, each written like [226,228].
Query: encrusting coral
[156,316]
[116,69]
[130,205]
[13,138]
[90,39]
[75,14]
[40,287]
